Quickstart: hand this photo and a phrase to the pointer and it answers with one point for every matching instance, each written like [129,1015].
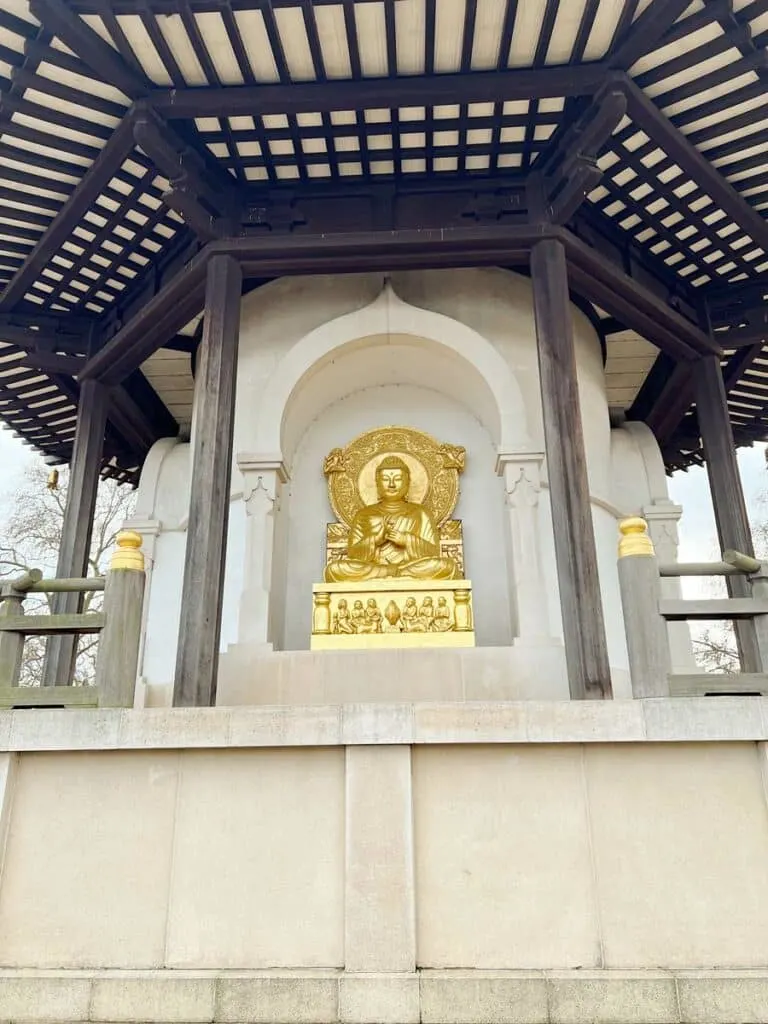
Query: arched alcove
[443,353]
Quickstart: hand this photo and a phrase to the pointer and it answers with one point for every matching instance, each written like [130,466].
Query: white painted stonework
[323,359]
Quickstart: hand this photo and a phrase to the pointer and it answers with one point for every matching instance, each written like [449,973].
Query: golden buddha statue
[393,537]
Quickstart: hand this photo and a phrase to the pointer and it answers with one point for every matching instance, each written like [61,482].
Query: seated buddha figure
[392,537]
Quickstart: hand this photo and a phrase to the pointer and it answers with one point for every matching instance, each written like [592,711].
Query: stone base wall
[425,997]
[387,863]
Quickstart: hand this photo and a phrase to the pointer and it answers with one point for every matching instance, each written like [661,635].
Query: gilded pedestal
[392,613]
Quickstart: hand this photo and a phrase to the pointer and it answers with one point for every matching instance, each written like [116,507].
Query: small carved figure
[334,462]
[442,620]
[427,613]
[412,622]
[358,617]
[342,620]
[371,623]
[454,456]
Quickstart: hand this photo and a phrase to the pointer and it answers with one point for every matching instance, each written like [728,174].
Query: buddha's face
[392,482]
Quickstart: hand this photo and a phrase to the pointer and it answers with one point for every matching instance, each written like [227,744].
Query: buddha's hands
[393,535]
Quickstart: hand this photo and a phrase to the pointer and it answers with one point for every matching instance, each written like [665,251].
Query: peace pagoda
[397,314]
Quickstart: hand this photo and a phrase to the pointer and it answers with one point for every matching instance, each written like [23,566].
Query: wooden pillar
[727,494]
[203,588]
[78,522]
[583,626]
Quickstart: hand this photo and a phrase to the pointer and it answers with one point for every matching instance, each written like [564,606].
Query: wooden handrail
[119,624]
[32,582]
[734,563]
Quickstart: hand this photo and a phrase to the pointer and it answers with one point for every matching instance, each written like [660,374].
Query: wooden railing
[646,615]
[118,627]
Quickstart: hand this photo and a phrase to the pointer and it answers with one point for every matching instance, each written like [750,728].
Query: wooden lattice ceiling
[254,100]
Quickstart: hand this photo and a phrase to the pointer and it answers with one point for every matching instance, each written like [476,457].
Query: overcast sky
[698,540]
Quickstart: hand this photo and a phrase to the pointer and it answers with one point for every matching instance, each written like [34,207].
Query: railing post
[12,644]
[759,581]
[118,657]
[647,642]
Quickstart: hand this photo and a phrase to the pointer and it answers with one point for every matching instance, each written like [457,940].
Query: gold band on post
[128,553]
[634,538]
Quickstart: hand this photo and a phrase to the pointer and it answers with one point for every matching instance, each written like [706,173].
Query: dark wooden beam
[730,509]
[94,181]
[171,308]
[203,588]
[77,526]
[610,287]
[484,244]
[583,626]
[750,325]
[58,17]
[568,168]
[52,362]
[201,192]
[645,34]
[323,97]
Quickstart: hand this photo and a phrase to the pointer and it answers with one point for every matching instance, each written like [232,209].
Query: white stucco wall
[322,359]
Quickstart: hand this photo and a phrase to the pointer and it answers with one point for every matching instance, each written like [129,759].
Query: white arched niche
[390,363]
[464,364]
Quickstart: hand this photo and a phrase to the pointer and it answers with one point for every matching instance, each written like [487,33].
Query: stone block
[258,878]
[6,717]
[584,721]
[503,863]
[703,718]
[376,723]
[456,997]
[162,1000]
[723,997]
[469,723]
[44,729]
[175,727]
[373,999]
[379,887]
[44,998]
[88,857]
[316,726]
[680,842]
[278,1000]
[527,671]
[614,997]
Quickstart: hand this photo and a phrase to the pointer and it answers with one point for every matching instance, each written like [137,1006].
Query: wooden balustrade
[118,627]
[645,615]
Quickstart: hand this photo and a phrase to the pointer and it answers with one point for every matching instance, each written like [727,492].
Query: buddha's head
[393,478]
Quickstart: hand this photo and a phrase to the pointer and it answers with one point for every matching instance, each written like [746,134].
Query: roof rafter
[646,33]
[679,149]
[96,178]
[59,19]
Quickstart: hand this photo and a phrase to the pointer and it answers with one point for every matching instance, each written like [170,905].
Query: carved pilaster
[149,529]
[662,517]
[521,472]
[263,479]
